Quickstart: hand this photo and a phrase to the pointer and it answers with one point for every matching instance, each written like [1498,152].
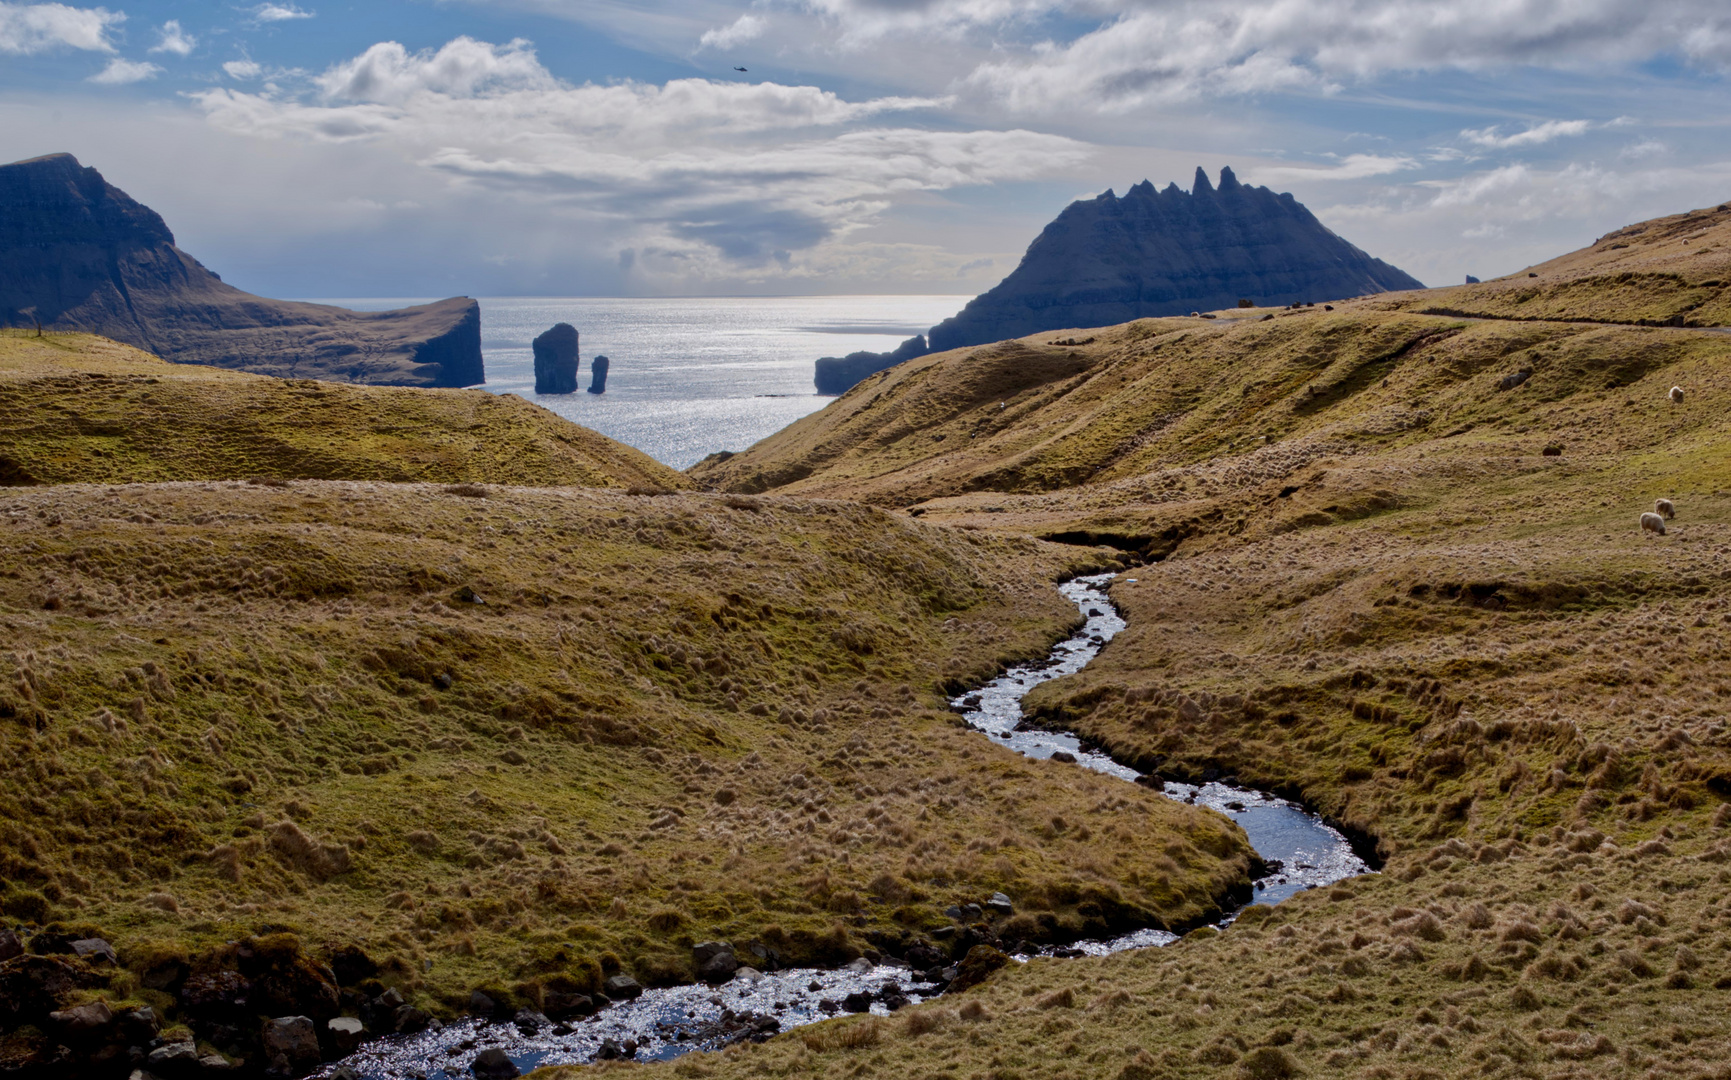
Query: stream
[661,1024]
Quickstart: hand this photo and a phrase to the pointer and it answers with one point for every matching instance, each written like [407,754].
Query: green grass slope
[75,408]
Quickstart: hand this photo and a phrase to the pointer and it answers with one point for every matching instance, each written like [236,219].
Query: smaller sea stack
[598,385]
[556,360]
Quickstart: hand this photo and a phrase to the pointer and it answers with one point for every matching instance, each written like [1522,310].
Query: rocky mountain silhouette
[1150,253]
[77,253]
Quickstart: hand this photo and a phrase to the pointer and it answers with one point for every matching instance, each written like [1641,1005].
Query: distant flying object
[739,69]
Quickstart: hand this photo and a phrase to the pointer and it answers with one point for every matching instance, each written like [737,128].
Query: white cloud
[174,40]
[120,71]
[699,175]
[1351,167]
[1478,187]
[741,30]
[1646,148]
[34,28]
[1492,138]
[242,69]
[389,73]
[279,13]
[1134,53]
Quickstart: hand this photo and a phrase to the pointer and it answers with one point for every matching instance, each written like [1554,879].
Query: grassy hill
[519,733]
[75,408]
[1383,558]
[1372,571]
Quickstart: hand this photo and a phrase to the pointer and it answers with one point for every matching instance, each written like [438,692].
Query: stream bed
[664,1023]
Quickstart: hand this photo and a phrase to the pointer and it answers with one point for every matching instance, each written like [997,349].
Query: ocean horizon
[689,376]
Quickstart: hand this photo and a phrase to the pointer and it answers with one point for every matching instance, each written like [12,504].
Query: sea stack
[1147,254]
[556,360]
[78,253]
[598,385]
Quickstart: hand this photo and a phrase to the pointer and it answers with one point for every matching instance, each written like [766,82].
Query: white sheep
[1676,395]
[1653,523]
[1665,507]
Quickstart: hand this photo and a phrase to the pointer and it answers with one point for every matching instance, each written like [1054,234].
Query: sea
[689,377]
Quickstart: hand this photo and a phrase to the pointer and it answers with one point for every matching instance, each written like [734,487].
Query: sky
[422,148]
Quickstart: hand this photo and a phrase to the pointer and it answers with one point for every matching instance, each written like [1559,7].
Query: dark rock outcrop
[1109,260]
[78,253]
[836,373]
[598,368]
[556,360]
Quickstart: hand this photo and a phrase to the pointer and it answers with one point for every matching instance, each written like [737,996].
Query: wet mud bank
[1298,850]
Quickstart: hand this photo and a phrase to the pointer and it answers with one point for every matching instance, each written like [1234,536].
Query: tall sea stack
[598,368]
[78,253]
[556,360]
[1109,260]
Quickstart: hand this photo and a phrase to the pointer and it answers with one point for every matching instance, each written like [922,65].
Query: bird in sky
[739,69]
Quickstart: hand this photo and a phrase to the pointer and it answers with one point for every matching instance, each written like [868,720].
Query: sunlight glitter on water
[692,376]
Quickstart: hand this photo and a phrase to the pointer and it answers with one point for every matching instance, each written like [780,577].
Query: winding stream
[665,1023]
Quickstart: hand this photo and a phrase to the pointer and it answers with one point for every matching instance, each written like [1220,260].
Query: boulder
[83,1023]
[409,1020]
[95,951]
[613,1050]
[857,1002]
[560,1005]
[80,254]
[345,1034]
[493,1064]
[598,371]
[556,360]
[139,1026]
[482,1005]
[294,1040]
[715,961]
[173,1057]
[1000,904]
[529,1022]
[621,988]
[10,946]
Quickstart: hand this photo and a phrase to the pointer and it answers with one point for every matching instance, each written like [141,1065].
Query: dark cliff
[77,253]
[1109,260]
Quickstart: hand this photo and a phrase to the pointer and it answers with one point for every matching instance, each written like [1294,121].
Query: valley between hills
[323,687]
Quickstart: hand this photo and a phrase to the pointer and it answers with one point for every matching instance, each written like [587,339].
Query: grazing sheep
[1651,522]
[1676,395]
[1665,507]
